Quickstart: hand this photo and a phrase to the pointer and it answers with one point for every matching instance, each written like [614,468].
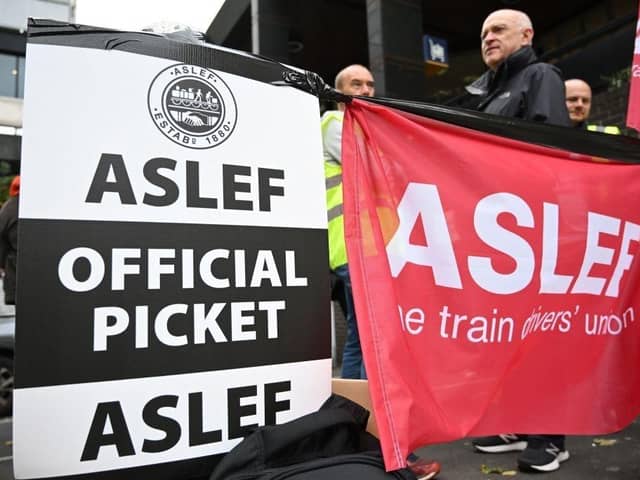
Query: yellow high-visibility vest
[335,214]
[611,129]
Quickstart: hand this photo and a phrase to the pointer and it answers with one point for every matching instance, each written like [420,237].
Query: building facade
[588,39]
[13,41]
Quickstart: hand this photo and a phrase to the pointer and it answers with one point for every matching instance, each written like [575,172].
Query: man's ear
[527,36]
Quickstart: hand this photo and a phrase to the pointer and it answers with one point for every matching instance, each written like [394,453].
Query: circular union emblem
[192,106]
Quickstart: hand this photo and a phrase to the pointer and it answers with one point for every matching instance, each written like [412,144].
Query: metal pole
[255,27]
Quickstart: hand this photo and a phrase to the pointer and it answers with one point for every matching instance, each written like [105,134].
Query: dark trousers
[557,440]
[352,365]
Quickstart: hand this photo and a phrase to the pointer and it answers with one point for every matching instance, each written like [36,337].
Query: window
[11,76]
[21,71]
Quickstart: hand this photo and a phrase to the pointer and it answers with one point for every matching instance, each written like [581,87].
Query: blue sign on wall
[435,50]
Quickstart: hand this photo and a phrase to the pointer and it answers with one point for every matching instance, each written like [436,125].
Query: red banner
[495,282]
[633,109]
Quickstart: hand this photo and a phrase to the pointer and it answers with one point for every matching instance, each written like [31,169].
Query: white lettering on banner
[497,328]
[423,201]
[550,281]
[631,233]
[96,274]
[112,321]
[413,321]
[608,324]
[595,253]
[493,234]
[119,264]
[476,329]
[543,321]
[264,268]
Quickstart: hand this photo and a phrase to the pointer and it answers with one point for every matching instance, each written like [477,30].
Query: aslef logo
[192,106]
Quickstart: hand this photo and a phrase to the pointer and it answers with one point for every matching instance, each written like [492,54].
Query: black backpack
[330,444]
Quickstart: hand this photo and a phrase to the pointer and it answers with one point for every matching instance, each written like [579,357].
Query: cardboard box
[357,391]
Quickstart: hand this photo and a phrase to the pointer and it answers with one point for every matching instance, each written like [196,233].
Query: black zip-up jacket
[523,87]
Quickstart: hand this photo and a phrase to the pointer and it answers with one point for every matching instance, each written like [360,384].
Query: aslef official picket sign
[173,292]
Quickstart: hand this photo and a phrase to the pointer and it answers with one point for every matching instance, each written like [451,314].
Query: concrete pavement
[617,458]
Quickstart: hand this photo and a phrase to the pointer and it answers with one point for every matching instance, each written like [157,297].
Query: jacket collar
[507,69]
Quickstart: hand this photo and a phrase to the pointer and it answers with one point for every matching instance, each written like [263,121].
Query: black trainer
[542,456]
[508,442]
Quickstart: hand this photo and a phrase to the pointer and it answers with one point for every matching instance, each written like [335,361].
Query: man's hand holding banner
[495,281]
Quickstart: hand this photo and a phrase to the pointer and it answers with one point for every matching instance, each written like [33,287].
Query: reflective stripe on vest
[335,217]
[611,129]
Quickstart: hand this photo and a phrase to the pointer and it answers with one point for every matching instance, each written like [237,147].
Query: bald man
[355,80]
[351,80]
[578,98]
[517,85]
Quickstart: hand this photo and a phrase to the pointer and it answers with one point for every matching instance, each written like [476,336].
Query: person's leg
[352,354]
[337,292]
